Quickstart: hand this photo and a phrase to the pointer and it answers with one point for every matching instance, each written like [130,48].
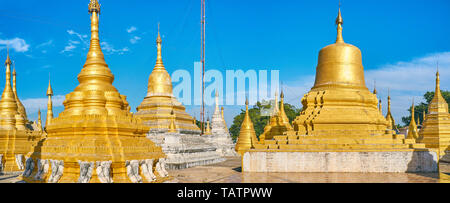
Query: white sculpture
[147,170]
[42,169]
[133,171]
[29,167]
[57,171]
[104,171]
[86,169]
[161,168]
[19,161]
[1,163]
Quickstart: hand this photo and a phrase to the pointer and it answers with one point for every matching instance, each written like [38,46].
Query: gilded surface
[96,125]
[435,131]
[155,110]
[16,138]
[247,136]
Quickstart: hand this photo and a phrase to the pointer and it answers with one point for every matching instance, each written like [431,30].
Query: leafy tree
[260,120]
[419,109]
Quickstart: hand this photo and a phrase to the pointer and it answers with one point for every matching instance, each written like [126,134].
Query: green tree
[419,109]
[258,119]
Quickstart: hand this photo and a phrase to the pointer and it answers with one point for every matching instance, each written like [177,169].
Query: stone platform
[185,150]
[412,161]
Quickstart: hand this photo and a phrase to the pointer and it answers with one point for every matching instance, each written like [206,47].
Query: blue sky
[400,41]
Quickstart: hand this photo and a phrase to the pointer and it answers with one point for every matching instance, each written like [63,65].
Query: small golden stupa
[16,138]
[435,131]
[278,123]
[49,104]
[389,118]
[96,139]
[247,136]
[412,129]
[155,110]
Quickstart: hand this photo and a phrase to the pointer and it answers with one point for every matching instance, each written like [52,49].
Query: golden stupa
[412,129]
[96,138]
[278,123]
[435,131]
[339,113]
[157,106]
[247,136]
[389,118]
[16,137]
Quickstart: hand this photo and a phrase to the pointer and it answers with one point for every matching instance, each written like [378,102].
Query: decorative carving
[86,169]
[104,171]
[161,168]
[133,171]
[29,167]
[1,163]
[43,166]
[147,170]
[57,171]
[19,161]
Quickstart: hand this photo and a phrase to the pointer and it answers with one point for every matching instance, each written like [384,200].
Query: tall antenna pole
[203,36]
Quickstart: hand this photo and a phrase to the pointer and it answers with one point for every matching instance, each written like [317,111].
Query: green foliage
[259,121]
[419,109]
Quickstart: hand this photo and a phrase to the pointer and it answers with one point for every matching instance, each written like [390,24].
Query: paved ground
[230,172]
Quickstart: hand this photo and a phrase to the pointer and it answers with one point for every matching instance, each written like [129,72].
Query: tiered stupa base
[313,154]
[17,144]
[185,150]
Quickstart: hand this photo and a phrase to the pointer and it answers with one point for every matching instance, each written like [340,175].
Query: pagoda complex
[17,136]
[170,126]
[341,128]
[435,131]
[220,136]
[96,139]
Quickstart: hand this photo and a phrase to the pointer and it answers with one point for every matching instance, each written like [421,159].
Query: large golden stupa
[159,103]
[96,138]
[16,137]
[339,112]
[341,128]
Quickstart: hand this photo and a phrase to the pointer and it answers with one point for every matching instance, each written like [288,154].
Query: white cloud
[135,39]
[34,104]
[82,37]
[48,43]
[69,48]
[18,44]
[109,49]
[131,29]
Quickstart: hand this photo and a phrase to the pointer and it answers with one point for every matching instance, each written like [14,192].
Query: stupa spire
[49,103]
[339,23]
[8,104]
[159,61]
[412,131]
[172,126]
[20,106]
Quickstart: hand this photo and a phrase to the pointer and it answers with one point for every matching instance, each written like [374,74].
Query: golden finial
[159,61]
[8,60]
[375,87]
[172,126]
[381,107]
[339,23]
[208,128]
[438,80]
[49,89]
[94,6]
[412,131]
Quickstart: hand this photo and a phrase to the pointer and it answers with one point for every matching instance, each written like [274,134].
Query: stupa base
[368,161]
[186,151]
